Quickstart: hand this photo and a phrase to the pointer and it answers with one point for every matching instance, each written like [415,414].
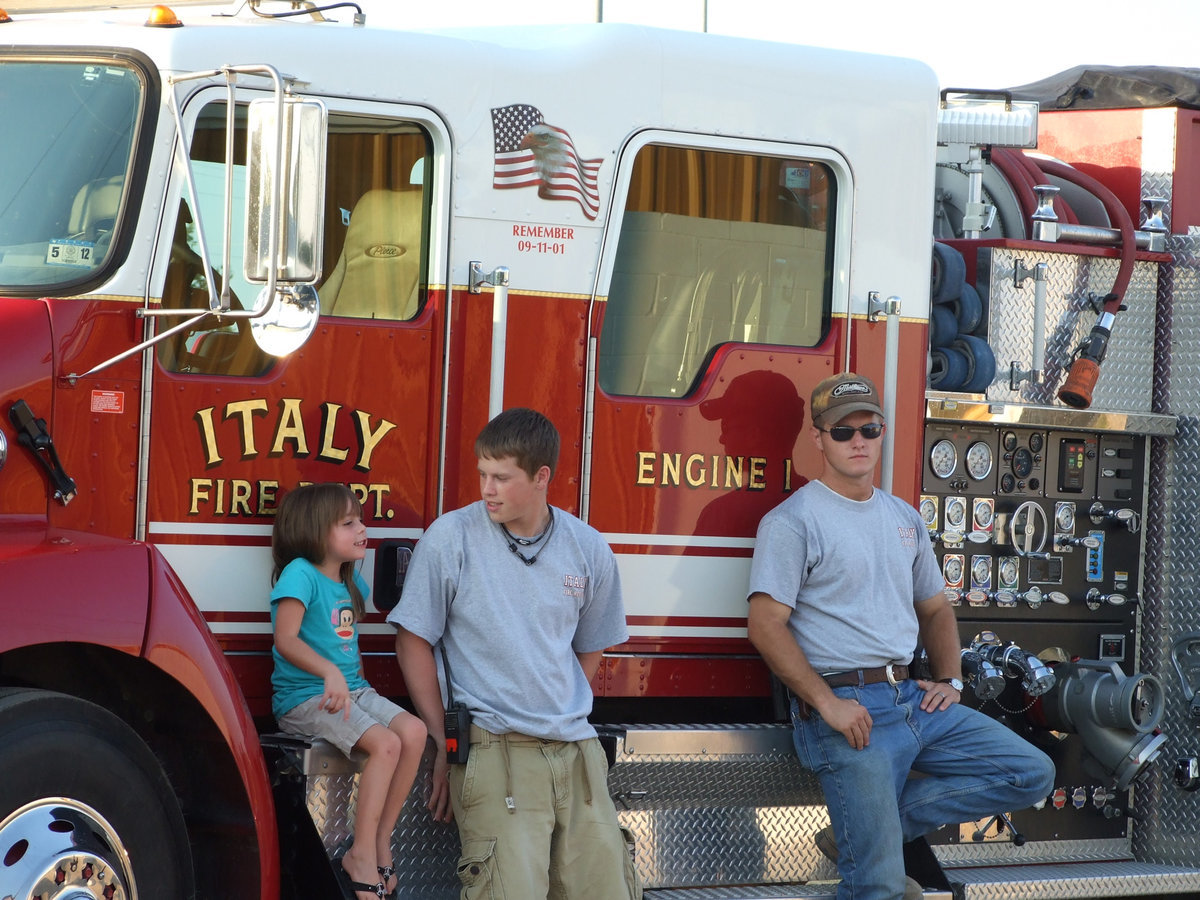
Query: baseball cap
[839,395]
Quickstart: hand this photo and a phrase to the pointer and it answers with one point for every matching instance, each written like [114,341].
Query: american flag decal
[530,152]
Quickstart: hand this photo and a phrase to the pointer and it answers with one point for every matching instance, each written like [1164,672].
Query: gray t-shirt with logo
[512,630]
[851,571]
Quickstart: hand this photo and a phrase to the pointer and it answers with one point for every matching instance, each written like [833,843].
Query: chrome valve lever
[1003,598]
[1094,599]
[1100,515]
[1064,541]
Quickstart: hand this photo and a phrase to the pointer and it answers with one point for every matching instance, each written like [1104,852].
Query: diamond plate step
[811,891]
[1073,881]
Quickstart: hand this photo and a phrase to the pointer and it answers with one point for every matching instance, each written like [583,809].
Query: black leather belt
[890,673]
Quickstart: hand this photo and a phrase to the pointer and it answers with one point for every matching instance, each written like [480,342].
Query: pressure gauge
[952,571]
[1008,570]
[943,458]
[979,460]
[1064,517]
[1022,463]
[1036,442]
[981,569]
[929,510]
[956,513]
[1009,441]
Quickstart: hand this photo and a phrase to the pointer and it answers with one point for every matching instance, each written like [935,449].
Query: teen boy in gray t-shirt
[842,584]
[524,598]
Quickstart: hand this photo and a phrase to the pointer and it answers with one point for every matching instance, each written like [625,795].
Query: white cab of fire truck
[663,240]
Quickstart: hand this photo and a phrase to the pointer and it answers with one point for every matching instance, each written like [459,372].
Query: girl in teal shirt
[318,685]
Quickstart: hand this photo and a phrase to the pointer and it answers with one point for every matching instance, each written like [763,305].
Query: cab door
[719,320]
[232,428]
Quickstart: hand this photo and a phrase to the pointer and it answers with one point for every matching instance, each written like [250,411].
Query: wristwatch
[955,683]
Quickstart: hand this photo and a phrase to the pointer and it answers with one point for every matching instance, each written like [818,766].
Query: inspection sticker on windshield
[65,252]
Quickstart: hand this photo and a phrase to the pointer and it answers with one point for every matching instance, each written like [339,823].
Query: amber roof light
[4,17]
[163,17]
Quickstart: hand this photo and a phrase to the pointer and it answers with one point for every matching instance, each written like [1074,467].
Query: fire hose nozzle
[1085,370]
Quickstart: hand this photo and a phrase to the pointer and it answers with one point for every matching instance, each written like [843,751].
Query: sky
[968,44]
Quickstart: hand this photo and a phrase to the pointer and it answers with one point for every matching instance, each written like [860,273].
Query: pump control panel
[1037,532]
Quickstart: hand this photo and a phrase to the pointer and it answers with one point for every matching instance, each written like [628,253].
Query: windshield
[69,130]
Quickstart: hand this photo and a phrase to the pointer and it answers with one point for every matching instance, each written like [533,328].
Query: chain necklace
[544,537]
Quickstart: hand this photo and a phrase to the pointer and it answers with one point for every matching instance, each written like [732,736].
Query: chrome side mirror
[285,203]
[288,321]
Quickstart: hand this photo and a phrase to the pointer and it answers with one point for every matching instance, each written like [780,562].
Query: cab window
[715,247]
[376,237]
[71,135]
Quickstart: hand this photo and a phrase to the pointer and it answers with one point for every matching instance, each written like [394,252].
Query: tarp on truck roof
[1115,87]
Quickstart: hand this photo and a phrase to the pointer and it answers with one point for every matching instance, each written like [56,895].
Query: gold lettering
[290,428]
[645,474]
[670,472]
[266,497]
[733,471]
[694,479]
[787,476]
[247,409]
[239,497]
[200,489]
[758,474]
[219,506]
[368,439]
[208,435]
[378,490]
[715,469]
[328,452]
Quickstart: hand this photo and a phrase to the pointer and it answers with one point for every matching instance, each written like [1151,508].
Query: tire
[80,778]
[943,326]
[949,371]
[949,273]
[981,363]
[968,309]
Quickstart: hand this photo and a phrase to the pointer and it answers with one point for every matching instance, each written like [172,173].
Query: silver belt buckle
[888,670]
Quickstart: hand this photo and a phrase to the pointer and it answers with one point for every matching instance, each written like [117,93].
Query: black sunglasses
[843,433]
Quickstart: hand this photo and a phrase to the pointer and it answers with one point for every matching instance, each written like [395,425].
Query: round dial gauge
[953,570]
[979,460]
[1036,442]
[1022,463]
[984,515]
[1008,570]
[943,458]
[1010,441]
[1007,482]
[981,570]
[956,513]
[928,510]
[1065,518]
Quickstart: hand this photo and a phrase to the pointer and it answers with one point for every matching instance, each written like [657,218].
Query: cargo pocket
[631,875]
[477,871]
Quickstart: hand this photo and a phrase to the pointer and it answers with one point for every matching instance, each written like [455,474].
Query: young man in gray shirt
[523,599]
[843,583]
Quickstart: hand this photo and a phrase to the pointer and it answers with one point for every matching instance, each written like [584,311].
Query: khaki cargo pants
[536,821]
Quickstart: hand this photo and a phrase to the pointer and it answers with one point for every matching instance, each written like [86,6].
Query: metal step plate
[1072,881]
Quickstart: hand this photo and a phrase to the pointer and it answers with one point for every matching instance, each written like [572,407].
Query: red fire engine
[245,250]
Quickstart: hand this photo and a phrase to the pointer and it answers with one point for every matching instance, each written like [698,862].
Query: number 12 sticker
[80,254]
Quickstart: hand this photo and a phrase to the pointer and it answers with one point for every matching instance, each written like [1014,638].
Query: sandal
[386,873]
[355,886]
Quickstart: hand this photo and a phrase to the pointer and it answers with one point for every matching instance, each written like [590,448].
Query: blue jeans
[974,767]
